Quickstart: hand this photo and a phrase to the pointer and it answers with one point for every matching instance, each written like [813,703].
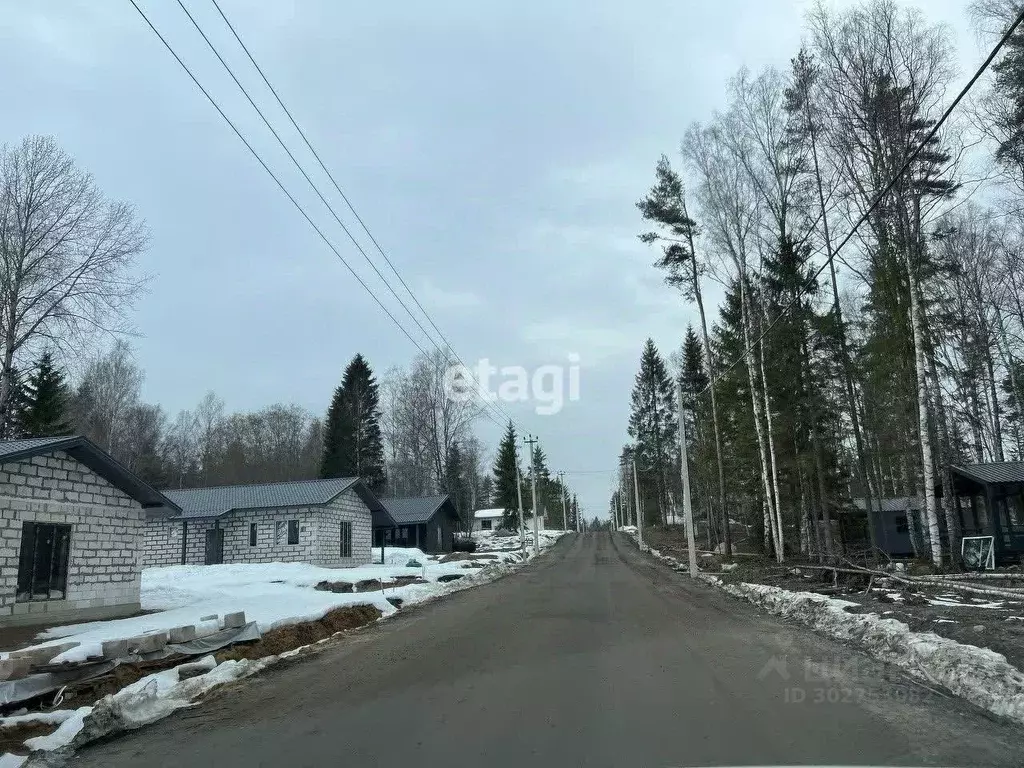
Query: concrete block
[182,634]
[44,655]
[211,617]
[115,649]
[147,643]
[14,669]
[234,620]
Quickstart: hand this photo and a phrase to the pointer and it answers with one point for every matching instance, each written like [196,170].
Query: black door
[214,546]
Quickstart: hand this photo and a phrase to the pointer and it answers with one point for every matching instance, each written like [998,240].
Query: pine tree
[506,470]
[352,438]
[455,482]
[46,401]
[652,425]
[12,420]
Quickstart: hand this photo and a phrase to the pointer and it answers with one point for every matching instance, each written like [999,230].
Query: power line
[875,203]
[316,189]
[290,197]
[275,178]
[330,176]
[316,155]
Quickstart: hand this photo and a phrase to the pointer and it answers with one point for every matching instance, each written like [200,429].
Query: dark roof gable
[994,471]
[86,452]
[411,510]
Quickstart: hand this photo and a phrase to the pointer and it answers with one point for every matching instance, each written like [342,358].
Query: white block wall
[106,531]
[319,536]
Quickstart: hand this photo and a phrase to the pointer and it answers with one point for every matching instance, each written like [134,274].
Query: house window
[293,531]
[439,537]
[252,534]
[403,533]
[901,524]
[346,539]
[485,525]
[43,563]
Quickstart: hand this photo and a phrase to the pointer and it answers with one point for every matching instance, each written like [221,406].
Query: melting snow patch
[979,675]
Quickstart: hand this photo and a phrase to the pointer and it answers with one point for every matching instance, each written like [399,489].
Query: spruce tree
[505,472]
[652,425]
[44,411]
[352,439]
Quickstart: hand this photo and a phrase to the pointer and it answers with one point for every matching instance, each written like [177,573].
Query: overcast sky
[494,149]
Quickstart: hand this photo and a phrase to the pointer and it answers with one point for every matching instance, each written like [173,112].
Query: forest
[869,259]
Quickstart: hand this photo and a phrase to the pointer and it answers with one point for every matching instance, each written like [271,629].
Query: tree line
[841,364]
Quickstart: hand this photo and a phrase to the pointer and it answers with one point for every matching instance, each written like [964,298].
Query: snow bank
[271,594]
[980,675]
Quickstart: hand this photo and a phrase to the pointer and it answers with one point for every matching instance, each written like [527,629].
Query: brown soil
[368,585]
[401,581]
[12,737]
[449,577]
[1000,627]
[334,586]
[13,638]
[293,636]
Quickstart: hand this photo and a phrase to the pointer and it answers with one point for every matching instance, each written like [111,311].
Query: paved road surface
[594,655]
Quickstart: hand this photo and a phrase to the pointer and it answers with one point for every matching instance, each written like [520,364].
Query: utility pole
[565,514]
[530,441]
[691,546]
[522,522]
[639,520]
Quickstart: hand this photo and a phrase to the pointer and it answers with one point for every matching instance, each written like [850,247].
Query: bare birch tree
[67,255]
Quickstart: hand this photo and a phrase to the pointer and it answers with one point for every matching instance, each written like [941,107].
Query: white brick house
[71,522]
[324,522]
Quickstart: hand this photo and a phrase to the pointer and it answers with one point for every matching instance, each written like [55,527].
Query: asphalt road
[593,655]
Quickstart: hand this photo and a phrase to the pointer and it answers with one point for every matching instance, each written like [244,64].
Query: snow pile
[980,675]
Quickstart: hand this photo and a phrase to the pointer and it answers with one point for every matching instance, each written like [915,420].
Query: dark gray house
[892,528]
[990,502]
[426,522]
[324,522]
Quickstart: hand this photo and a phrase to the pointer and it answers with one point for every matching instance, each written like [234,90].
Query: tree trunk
[924,433]
[755,401]
[709,358]
[776,498]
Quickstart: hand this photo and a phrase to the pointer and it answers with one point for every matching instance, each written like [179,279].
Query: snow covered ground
[271,594]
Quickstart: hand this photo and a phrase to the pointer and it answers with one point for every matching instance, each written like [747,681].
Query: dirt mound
[334,586]
[292,636]
[12,737]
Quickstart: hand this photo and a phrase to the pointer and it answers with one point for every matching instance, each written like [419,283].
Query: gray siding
[319,536]
[106,531]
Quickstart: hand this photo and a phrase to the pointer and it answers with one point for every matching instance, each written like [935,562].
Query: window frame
[59,566]
[252,534]
[345,539]
[293,527]
[486,525]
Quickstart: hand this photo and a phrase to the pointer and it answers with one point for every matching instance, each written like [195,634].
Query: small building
[425,522]
[323,522]
[488,519]
[891,523]
[990,502]
[71,525]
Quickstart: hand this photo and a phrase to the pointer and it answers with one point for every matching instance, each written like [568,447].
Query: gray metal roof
[30,445]
[898,504]
[994,471]
[95,458]
[414,509]
[219,500]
